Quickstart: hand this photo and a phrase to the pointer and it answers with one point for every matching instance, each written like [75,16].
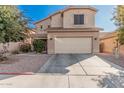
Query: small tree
[118,19]
[12,24]
[121,36]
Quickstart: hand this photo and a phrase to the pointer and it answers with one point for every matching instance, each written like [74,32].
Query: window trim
[41,27]
[79,22]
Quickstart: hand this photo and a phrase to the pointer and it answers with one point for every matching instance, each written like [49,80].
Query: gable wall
[89,18]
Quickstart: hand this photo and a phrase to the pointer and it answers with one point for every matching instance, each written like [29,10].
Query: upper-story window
[78,19]
[48,26]
[41,27]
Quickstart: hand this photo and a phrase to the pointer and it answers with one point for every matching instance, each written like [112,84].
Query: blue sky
[38,12]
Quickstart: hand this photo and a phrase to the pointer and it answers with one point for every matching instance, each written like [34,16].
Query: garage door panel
[73,45]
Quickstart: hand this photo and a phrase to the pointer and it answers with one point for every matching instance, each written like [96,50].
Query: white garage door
[73,45]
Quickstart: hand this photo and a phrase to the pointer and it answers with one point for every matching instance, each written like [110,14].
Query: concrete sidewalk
[51,81]
[59,81]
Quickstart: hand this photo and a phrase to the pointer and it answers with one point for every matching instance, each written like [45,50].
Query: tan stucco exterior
[108,43]
[45,23]
[56,20]
[61,24]
[89,18]
[93,35]
[65,19]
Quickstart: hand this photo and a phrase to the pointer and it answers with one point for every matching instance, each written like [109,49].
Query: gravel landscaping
[23,63]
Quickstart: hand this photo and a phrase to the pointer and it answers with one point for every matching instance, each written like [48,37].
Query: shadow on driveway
[61,61]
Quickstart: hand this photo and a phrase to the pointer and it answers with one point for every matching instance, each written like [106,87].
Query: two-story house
[71,30]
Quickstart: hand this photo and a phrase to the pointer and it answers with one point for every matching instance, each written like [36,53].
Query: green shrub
[25,47]
[38,45]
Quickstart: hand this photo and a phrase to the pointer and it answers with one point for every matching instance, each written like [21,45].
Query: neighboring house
[102,34]
[71,30]
[108,43]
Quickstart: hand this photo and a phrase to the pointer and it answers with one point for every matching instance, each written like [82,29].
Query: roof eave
[72,29]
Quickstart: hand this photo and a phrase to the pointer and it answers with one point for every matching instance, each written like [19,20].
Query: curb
[46,65]
[12,73]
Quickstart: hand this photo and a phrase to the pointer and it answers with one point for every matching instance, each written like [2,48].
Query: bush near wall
[25,47]
[38,45]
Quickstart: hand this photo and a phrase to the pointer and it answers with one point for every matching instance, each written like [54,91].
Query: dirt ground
[23,63]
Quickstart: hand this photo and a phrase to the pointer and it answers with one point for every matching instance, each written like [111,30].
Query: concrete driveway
[80,64]
[77,70]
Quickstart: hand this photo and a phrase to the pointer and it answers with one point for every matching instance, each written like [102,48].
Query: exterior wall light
[51,39]
[95,38]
